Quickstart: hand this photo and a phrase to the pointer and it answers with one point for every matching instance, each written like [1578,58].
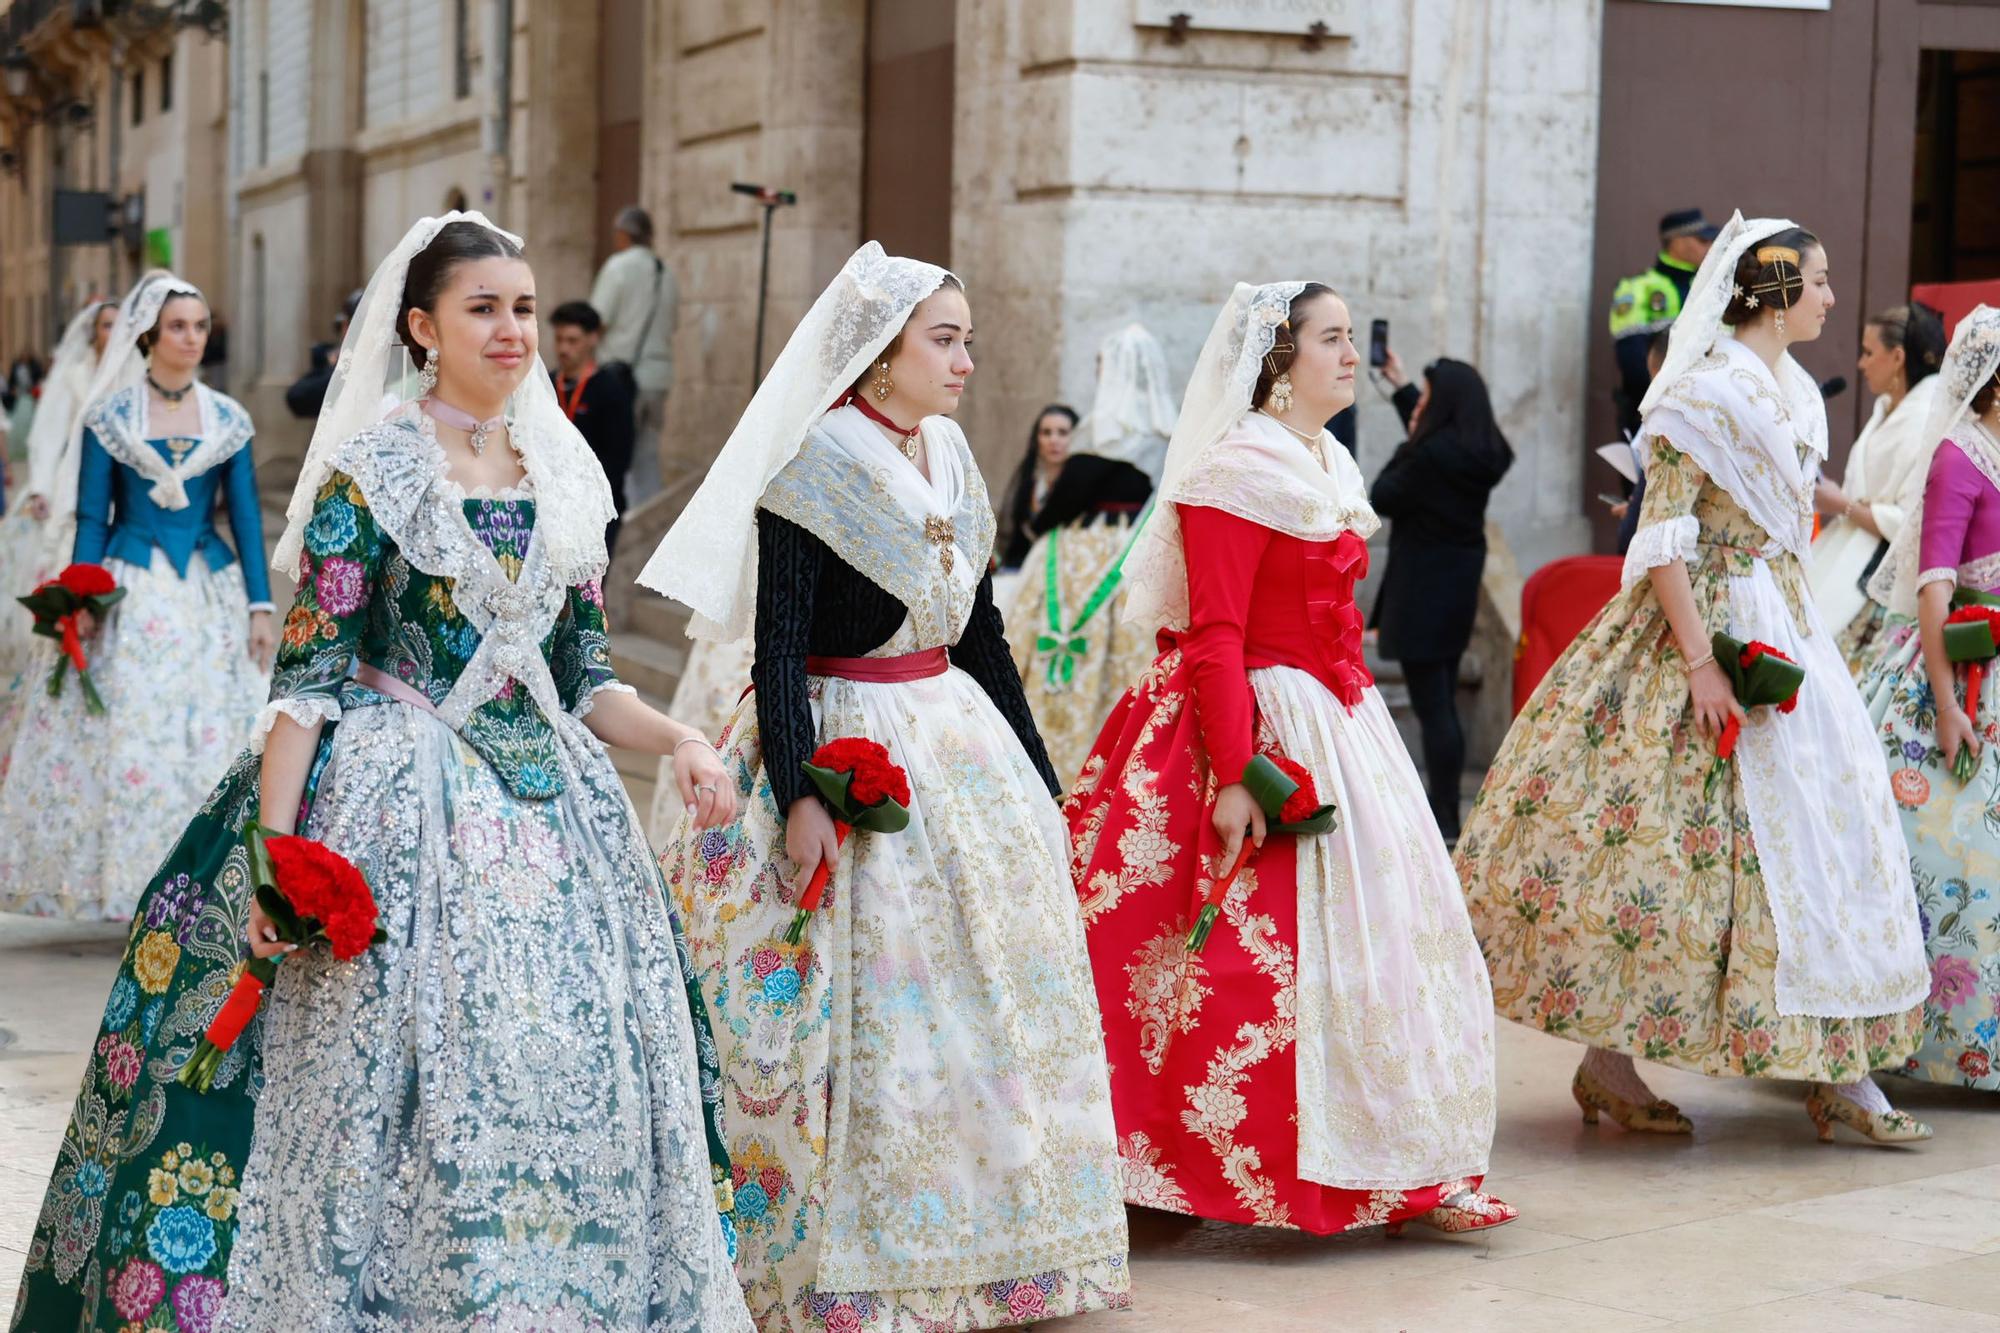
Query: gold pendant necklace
[1311,442]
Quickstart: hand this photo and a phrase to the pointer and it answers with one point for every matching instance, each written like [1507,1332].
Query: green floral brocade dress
[548,891]
[1616,906]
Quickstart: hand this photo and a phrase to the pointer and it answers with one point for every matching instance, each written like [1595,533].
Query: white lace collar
[119,423]
[1262,472]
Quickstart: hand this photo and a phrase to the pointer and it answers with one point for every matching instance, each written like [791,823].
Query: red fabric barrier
[1557,601]
[1954,300]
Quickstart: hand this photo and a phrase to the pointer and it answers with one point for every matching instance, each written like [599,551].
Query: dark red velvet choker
[867,410]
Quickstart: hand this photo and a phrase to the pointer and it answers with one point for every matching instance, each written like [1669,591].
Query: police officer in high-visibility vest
[1645,303]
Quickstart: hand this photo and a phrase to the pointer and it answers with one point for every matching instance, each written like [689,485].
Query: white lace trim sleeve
[589,700]
[1942,574]
[308,710]
[1659,544]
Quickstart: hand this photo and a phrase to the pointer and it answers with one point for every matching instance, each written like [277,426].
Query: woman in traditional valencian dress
[1048,448]
[39,527]
[495,1118]
[914,1096]
[1067,620]
[1949,545]
[180,662]
[1326,1060]
[1767,929]
[1900,351]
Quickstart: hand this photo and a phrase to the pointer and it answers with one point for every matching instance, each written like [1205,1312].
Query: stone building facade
[1101,170]
[1080,163]
[132,109]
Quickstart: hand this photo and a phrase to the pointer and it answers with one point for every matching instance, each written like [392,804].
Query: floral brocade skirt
[913,1099]
[142,1207]
[180,694]
[1074,679]
[1325,1062]
[1616,905]
[1953,831]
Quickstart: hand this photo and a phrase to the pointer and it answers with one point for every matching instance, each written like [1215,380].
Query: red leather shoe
[1468,1210]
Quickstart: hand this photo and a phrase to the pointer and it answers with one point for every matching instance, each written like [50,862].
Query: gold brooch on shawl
[942,533]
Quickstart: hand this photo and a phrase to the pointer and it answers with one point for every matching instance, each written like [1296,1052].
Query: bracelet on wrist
[692,740]
[1698,663]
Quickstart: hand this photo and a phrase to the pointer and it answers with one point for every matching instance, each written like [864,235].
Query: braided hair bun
[1768,276]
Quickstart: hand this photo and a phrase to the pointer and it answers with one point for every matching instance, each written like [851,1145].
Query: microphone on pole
[1833,388]
[764,194]
[770,199]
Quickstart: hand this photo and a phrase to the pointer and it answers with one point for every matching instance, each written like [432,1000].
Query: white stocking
[1618,1075]
[1864,1094]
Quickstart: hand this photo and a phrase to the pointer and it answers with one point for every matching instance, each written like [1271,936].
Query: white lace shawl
[854,490]
[401,473]
[1759,435]
[1262,472]
[119,422]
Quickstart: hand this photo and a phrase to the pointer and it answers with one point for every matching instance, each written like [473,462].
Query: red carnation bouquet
[1285,792]
[56,605]
[311,893]
[1971,636]
[1759,676]
[867,791]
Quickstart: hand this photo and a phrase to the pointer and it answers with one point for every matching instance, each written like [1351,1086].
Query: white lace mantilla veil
[1280,487]
[1969,364]
[55,438]
[1132,417]
[123,365]
[708,559]
[374,372]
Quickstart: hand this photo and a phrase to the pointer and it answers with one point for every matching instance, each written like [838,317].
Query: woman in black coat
[1434,491]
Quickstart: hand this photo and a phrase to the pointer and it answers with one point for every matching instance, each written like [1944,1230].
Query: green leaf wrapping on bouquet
[886,816]
[1270,788]
[264,884]
[1971,642]
[1768,680]
[48,602]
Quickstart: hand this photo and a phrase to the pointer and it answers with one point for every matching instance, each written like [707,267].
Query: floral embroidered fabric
[1618,908]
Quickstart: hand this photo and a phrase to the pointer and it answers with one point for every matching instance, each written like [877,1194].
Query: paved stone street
[1753,1227]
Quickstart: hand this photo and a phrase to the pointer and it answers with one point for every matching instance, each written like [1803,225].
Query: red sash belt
[882,670]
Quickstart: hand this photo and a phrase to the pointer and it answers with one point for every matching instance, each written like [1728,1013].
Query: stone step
[651,616]
[648,665]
